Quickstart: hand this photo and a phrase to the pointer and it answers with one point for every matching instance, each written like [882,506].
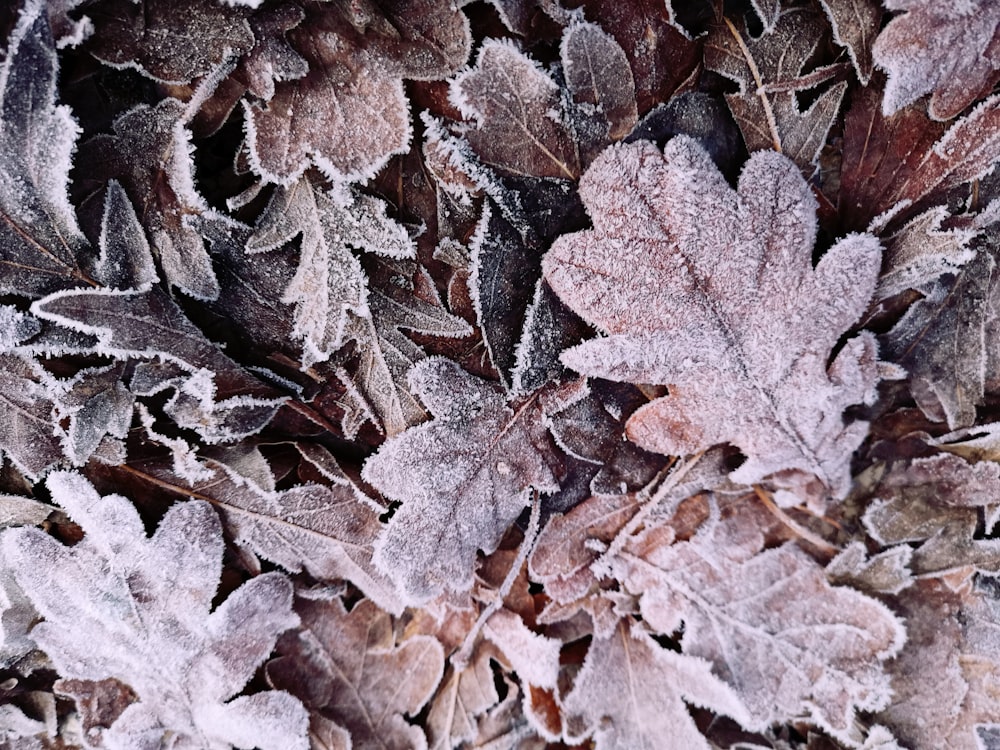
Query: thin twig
[801,531]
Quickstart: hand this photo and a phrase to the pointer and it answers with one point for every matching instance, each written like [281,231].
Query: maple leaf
[950,50]
[681,272]
[347,667]
[329,282]
[40,241]
[462,479]
[631,693]
[770,117]
[137,609]
[515,108]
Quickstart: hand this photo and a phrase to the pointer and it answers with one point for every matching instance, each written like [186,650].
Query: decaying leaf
[137,609]
[766,69]
[951,50]
[631,693]
[462,479]
[347,667]
[682,273]
[30,435]
[855,24]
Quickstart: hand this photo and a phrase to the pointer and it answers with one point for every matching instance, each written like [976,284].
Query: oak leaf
[462,478]
[952,50]
[137,609]
[347,667]
[631,693]
[682,273]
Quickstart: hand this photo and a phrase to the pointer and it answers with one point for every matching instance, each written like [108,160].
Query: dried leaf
[516,111]
[125,260]
[796,647]
[935,502]
[30,435]
[347,666]
[771,118]
[120,605]
[172,41]
[950,50]
[327,531]
[329,283]
[688,302]
[953,317]
[272,59]
[855,24]
[151,154]
[464,695]
[462,478]
[40,241]
[631,693]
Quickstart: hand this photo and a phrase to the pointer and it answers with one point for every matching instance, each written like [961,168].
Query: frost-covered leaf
[945,680]
[329,283]
[150,153]
[138,609]
[464,695]
[855,24]
[921,252]
[17,615]
[766,107]
[690,303]
[954,316]
[516,113]
[883,573]
[125,260]
[148,325]
[600,81]
[97,404]
[386,354]
[30,435]
[890,164]
[327,531]
[661,56]
[357,54]
[506,260]
[632,693]
[40,241]
[272,59]
[172,41]
[534,657]
[348,667]
[950,49]
[462,479]
[795,646]
[936,502]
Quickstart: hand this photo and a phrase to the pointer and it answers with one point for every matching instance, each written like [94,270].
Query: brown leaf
[172,41]
[682,273]
[794,647]
[662,57]
[770,117]
[464,696]
[945,680]
[347,667]
[855,24]
[29,434]
[893,163]
[936,502]
[950,50]
[631,693]
[517,114]
[272,58]
[462,478]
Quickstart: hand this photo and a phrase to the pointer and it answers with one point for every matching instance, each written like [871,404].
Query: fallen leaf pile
[509,374]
